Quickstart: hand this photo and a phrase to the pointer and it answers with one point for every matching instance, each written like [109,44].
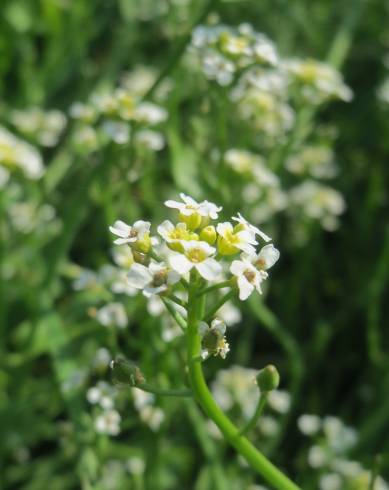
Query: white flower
[153,279]
[129,234]
[268,425]
[317,457]
[152,416]
[150,113]
[174,234]
[251,228]
[213,341]
[266,258]
[135,465]
[309,424]
[279,401]
[330,481]
[150,139]
[108,423]
[197,254]
[190,206]
[102,394]
[118,132]
[249,277]
[233,239]
[111,315]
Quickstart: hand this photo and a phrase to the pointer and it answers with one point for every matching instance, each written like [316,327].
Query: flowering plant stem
[204,397]
[258,412]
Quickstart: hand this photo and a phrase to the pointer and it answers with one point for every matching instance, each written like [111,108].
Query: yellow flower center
[196,255]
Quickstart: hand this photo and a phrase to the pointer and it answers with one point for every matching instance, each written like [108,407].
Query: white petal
[188,200]
[165,228]
[180,263]
[173,204]
[246,237]
[121,241]
[149,291]
[219,326]
[238,267]
[203,329]
[269,254]
[173,277]
[209,269]
[222,228]
[245,288]
[263,235]
[120,228]
[139,276]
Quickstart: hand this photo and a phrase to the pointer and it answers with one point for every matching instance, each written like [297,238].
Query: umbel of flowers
[195,247]
[195,264]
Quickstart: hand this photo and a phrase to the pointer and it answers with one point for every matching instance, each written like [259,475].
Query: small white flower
[213,341]
[240,240]
[153,279]
[152,416]
[251,228]
[189,206]
[118,132]
[266,258]
[112,315]
[197,254]
[330,481]
[309,424]
[317,457]
[135,465]
[174,234]
[279,401]
[108,423]
[102,394]
[149,113]
[129,234]
[249,277]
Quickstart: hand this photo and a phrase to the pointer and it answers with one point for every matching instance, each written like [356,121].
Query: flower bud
[126,373]
[268,378]
[192,221]
[208,234]
[141,258]
[143,245]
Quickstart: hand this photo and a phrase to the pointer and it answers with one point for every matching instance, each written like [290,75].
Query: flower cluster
[328,456]
[108,419]
[224,251]
[117,116]
[223,50]
[43,127]
[16,154]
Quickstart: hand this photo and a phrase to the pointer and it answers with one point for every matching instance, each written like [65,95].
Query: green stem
[210,313]
[220,285]
[202,394]
[177,300]
[162,391]
[177,317]
[258,412]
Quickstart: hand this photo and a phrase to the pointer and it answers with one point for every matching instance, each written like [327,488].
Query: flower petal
[180,263]
[245,288]
[139,276]
[120,228]
[269,254]
[209,269]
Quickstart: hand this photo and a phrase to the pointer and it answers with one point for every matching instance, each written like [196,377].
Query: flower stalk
[203,396]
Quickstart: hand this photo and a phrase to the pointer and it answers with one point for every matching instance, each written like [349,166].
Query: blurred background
[278,110]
